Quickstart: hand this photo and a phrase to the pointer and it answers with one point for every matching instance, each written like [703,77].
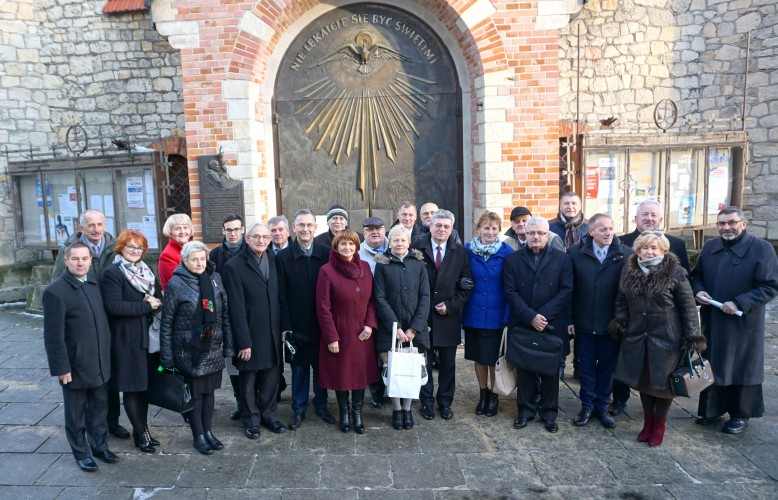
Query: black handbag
[169,390]
[529,349]
[692,376]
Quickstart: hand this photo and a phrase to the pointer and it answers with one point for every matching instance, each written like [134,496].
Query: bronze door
[367,115]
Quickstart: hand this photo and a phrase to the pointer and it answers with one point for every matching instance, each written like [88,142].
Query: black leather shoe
[296,422]
[252,432]
[735,425]
[397,419]
[118,431]
[407,419]
[275,427]
[325,416]
[106,456]
[87,464]
[142,442]
[708,420]
[583,417]
[551,426]
[377,402]
[215,443]
[605,419]
[427,412]
[446,413]
[235,412]
[520,423]
[201,445]
[153,441]
[616,408]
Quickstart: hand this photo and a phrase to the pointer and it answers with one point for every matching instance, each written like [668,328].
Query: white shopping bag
[404,370]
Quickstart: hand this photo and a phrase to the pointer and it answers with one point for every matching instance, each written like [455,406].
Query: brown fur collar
[384,258]
[634,282]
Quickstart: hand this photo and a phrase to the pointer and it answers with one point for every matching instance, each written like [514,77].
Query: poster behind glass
[604,186]
[687,188]
[719,179]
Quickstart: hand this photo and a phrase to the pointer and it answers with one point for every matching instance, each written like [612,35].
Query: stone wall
[62,63]
[634,53]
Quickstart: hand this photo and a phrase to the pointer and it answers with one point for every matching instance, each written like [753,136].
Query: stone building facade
[634,53]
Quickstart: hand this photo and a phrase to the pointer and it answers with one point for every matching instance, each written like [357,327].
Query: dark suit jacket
[545,289]
[76,334]
[255,313]
[444,287]
[677,246]
[297,276]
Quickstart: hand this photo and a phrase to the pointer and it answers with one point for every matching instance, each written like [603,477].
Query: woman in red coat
[344,305]
[178,228]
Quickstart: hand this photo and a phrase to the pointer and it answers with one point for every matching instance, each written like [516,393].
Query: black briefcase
[169,390]
[539,352]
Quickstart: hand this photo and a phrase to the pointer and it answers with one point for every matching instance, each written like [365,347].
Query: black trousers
[529,384]
[447,357]
[740,401]
[85,419]
[258,393]
[114,408]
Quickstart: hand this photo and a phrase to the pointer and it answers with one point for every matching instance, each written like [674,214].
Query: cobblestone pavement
[466,457]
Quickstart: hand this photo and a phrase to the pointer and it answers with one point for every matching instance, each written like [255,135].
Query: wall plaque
[220,196]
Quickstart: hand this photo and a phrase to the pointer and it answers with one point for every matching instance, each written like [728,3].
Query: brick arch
[481,47]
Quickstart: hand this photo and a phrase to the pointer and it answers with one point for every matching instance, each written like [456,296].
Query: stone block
[256,27]
[748,22]
[475,14]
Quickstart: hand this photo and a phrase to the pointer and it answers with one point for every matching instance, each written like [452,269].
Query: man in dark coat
[298,269]
[740,271]
[232,229]
[406,217]
[251,281]
[597,262]
[337,221]
[101,245]
[448,269]
[77,339]
[570,224]
[648,217]
[279,232]
[538,283]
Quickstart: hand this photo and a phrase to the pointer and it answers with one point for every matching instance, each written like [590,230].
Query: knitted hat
[337,210]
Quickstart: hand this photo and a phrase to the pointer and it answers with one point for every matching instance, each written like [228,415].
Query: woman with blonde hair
[656,319]
[178,228]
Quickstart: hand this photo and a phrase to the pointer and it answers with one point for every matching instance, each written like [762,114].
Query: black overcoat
[297,276]
[221,254]
[595,284]
[128,316]
[255,314]
[746,273]
[661,315]
[401,291]
[544,287]
[76,334]
[445,287]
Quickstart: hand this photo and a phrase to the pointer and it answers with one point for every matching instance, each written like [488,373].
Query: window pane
[64,210]
[719,179]
[604,185]
[687,188]
[97,194]
[646,179]
[135,203]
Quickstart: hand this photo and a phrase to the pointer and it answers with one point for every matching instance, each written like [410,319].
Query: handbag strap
[395,346]
[503,341]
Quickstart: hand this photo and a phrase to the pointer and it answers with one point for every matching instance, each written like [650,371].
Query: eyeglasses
[730,223]
[259,236]
[231,230]
[133,248]
[538,233]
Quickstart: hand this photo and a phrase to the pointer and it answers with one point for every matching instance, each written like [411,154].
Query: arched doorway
[367,113]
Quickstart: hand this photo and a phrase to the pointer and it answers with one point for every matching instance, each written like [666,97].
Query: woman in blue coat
[486,313]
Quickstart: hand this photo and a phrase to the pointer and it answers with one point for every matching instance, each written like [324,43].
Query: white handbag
[504,372]
[405,371]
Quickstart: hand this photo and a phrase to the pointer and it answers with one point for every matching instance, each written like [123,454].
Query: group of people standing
[331,300]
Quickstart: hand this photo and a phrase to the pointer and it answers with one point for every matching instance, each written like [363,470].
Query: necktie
[601,255]
[96,250]
[438,258]
[276,250]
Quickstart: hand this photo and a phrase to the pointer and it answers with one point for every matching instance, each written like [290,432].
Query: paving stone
[572,468]
[319,494]
[390,494]
[107,493]
[244,493]
[23,469]
[147,470]
[653,466]
[56,416]
[498,472]
[65,472]
[26,361]
[323,439]
[459,438]
[29,492]
[24,413]
[58,443]
[584,492]
[19,392]
[219,470]
[763,456]
[284,471]
[25,375]
[726,465]
[24,439]
[706,491]
[356,471]
[441,470]
[388,441]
